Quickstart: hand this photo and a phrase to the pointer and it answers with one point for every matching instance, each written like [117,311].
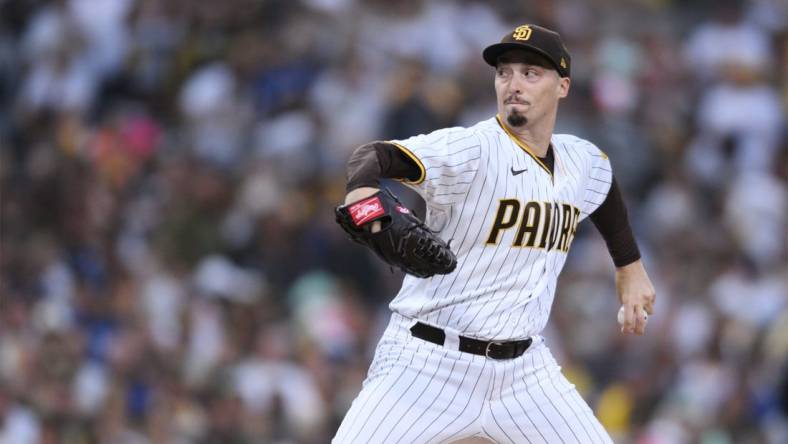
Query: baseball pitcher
[462,356]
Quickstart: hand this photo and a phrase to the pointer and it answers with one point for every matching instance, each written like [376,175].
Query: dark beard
[516,119]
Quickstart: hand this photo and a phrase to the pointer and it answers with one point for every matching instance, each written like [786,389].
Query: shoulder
[459,136]
[486,127]
[475,130]
[577,145]
[452,138]
[479,134]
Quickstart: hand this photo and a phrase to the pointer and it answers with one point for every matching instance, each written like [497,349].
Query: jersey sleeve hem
[414,158]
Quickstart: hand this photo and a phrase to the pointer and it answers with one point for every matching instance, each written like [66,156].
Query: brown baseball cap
[532,38]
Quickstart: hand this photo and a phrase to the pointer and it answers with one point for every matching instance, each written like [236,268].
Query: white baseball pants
[419,392]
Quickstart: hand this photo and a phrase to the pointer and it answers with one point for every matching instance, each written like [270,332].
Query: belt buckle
[487,349]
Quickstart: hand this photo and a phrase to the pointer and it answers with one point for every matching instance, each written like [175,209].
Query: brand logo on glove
[402,209]
[366,210]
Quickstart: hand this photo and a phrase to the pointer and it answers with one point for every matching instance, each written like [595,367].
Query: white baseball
[620,316]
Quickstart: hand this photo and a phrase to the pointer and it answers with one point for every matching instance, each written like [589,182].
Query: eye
[502,72]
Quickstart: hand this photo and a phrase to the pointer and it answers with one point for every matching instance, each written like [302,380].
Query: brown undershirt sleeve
[376,160]
[611,220]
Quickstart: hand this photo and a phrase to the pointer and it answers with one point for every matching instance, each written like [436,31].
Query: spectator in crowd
[169,267]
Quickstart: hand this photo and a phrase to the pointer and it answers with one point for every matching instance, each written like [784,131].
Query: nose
[516,85]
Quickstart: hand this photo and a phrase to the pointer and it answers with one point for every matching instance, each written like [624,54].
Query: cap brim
[492,52]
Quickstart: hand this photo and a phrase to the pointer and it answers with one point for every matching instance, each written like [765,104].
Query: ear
[563,87]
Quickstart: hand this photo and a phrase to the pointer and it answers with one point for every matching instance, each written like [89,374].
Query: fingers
[636,312]
[360,193]
[649,304]
[635,319]
[629,319]
[640,321]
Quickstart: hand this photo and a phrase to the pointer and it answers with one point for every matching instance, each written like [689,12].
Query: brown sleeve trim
[414,160]
[612,222]
[376,160]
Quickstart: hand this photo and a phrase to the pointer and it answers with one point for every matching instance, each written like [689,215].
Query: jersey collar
[522,145]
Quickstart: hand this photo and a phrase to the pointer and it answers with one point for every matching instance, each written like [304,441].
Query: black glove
[403,240]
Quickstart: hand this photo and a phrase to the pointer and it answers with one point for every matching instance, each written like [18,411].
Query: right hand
[637,295]
[362,193]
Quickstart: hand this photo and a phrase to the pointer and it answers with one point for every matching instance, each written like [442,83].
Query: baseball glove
[403,240]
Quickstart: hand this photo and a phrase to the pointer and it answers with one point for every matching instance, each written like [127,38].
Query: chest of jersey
[510,221]
[531,206]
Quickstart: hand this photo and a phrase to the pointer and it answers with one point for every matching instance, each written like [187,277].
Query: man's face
[527,88]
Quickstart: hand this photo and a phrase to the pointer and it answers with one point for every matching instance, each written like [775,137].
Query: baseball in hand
[621,315]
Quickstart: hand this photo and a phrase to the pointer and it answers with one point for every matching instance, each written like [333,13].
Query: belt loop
[452,341]
[409,324]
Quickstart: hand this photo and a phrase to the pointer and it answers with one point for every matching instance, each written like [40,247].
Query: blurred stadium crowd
[171,271]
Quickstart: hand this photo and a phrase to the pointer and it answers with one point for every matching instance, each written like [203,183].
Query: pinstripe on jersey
[501,290]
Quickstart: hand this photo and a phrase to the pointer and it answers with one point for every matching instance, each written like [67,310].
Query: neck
[537,137]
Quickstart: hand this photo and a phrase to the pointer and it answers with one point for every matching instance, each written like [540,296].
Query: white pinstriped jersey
[510,222]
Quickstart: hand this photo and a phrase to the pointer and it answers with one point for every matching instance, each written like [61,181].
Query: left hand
[404,242]
[636,294]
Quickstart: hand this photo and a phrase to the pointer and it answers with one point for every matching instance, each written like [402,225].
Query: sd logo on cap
[536,39]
